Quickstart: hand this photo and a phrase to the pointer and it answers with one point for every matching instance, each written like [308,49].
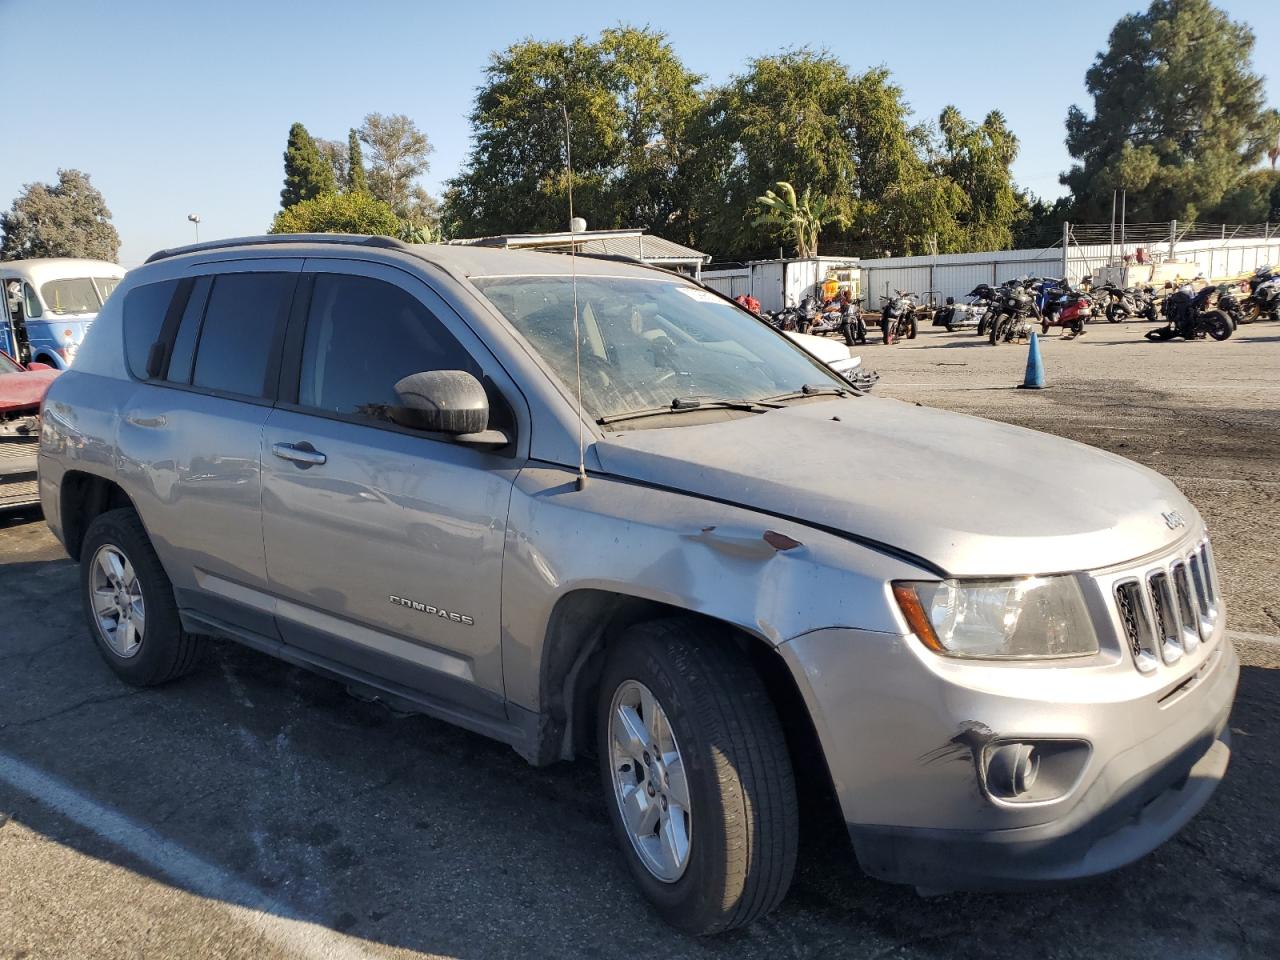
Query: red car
[21,390]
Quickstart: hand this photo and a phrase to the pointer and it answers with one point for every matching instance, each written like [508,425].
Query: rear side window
[244,315]
[362,336]
[144,310]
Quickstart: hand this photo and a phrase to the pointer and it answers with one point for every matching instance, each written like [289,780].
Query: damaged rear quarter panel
[775,579]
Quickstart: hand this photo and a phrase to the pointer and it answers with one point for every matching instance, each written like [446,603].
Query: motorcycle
[1191,316]
[1072,309]
[955,316]
[844,318]
[898,317]
[1263,301]
[1015,310]
[1129,303]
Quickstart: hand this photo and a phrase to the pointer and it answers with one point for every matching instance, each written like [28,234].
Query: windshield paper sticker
[697,293]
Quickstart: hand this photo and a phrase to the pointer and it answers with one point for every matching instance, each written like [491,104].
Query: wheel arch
[585,624]
[84,496]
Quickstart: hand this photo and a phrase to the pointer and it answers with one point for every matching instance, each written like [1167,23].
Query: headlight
[999,619]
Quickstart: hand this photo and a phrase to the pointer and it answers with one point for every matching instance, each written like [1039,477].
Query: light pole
[194,218]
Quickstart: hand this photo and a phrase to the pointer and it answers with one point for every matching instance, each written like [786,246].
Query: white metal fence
[1235,250]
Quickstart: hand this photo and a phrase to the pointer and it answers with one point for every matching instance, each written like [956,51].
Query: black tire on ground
[993,331]
[1114,313]
[744,811]
[912,329]
[1219,324]
[166,651]
[886,326]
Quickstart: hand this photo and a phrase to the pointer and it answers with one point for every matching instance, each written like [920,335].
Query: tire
[1044,328]
[993,332]
[912,329]
[886,327]
[743,809]
[163,651]
[1219,324]
[1114,313]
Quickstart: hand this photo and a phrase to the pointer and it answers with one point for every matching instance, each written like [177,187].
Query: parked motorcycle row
[1009,312]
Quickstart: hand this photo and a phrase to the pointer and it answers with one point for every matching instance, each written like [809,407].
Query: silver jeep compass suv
[587,507]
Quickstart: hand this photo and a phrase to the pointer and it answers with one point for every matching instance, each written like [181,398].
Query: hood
[970,496]
[22,391]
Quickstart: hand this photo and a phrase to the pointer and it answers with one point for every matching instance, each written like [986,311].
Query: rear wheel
[1114,313]
[128,601]
[912,329]
[1219,324]
[697,776]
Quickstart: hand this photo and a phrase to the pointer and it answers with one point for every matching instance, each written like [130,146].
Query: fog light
[1033,771]
[1012,770]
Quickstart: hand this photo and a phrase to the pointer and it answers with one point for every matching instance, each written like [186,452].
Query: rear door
[384,546]
[192,432]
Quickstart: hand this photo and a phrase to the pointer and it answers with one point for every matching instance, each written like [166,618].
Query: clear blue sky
[181,106]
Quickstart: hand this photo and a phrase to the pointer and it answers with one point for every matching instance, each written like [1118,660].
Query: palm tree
[802,219]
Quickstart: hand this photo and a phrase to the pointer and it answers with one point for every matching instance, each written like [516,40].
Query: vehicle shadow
[409,832]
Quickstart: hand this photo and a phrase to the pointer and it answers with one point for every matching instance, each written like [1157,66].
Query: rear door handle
[300,453]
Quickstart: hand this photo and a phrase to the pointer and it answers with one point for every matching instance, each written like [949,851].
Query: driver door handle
[300,453]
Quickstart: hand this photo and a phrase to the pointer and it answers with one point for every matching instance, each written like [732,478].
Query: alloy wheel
[649,781]
[118,608]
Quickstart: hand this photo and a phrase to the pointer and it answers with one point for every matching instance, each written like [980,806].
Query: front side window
[362,336]
[71,295]
[244,314]
[645,344]
[31,300]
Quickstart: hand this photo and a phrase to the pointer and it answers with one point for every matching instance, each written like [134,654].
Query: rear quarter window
[144,310]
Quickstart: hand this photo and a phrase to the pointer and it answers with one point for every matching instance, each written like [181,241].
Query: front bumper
[910,785]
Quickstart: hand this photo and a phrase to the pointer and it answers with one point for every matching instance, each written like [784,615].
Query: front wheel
[1114,313]
[886,331]
[696,776]
[912,329]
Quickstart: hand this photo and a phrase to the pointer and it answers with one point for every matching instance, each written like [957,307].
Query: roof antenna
[576,225]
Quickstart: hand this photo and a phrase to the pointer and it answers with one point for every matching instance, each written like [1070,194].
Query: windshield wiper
[808,390]
[687,404]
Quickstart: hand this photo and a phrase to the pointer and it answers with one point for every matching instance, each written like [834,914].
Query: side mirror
[447,401]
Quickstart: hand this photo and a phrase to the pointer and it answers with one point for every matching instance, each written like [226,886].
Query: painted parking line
[273,920]
[1254,637]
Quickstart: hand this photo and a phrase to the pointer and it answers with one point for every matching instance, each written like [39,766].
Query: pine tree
[307,174]
[357,181]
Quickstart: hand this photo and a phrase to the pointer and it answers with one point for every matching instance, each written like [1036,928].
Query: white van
[49,304]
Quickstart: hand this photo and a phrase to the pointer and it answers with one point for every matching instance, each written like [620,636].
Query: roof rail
[345,238]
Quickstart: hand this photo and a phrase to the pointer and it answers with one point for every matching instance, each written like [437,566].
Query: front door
[384,546]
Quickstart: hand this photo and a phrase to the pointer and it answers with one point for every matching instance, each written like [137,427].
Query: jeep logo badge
[1173,519]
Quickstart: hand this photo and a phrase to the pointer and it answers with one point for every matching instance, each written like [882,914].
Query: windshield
[72,295]
[648,343]
[106,285]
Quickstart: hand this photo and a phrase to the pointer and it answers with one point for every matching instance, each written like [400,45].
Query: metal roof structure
[633,243]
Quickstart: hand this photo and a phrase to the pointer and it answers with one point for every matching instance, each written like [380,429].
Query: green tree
[1254,198]
[799,218]
[334,153]
[339,213]
[67,219]
[1178,115]
[977,159]
[307,174]
[398,155]
[357,179]
[629,100]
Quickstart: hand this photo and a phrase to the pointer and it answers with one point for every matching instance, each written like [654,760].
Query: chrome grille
[1168,610]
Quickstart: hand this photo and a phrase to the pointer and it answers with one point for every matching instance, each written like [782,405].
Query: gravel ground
[253,810]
